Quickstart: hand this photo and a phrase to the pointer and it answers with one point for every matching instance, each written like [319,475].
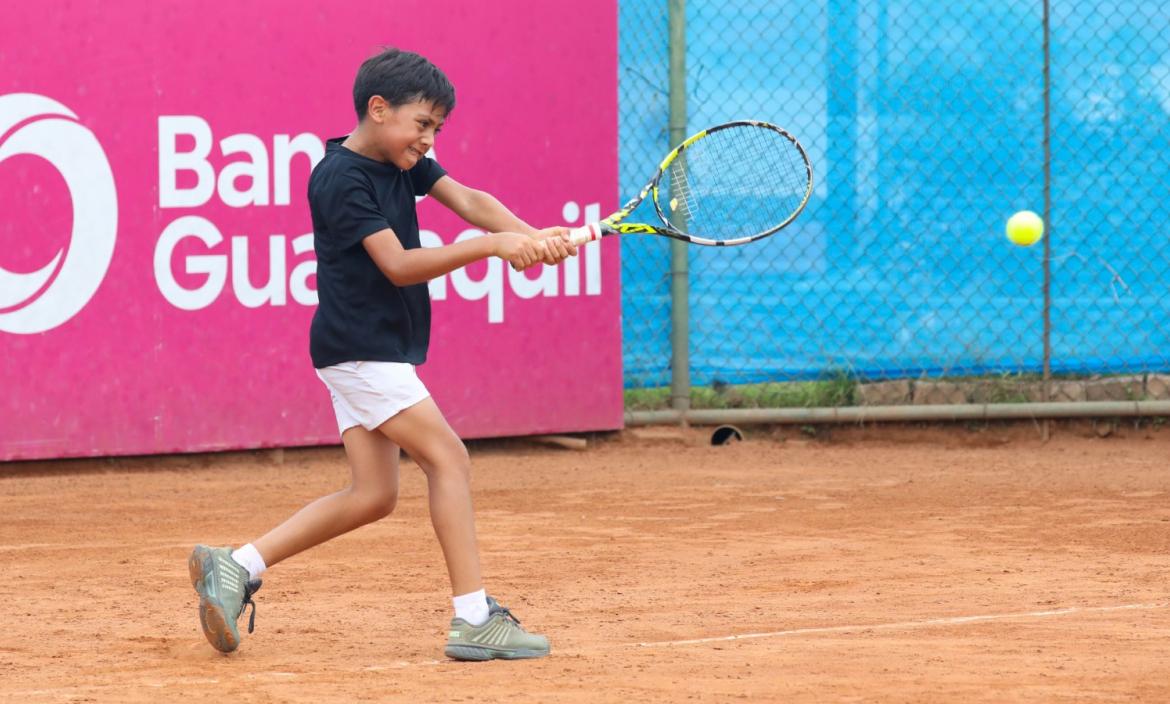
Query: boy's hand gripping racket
[731,184]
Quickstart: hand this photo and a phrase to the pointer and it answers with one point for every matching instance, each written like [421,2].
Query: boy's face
[404,134]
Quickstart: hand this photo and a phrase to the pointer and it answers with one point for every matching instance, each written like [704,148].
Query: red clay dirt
[848,567]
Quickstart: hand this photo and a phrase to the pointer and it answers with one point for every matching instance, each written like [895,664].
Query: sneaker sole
[212,617]
[479,654]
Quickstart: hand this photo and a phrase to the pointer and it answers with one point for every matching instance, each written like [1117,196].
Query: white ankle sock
[249,558]
[472,607]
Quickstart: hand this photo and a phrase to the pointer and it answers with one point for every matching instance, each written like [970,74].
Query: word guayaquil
[185,144]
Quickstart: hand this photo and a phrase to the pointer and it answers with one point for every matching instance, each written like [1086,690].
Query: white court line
[902,625]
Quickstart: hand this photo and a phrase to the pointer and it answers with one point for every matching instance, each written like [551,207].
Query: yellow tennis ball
[1025,228]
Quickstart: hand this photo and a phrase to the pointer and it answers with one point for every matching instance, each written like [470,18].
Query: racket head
[731,184]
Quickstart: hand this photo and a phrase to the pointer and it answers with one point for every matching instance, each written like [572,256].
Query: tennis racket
[730,184]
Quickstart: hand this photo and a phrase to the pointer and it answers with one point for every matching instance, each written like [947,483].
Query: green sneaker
[499,637]
[224,591]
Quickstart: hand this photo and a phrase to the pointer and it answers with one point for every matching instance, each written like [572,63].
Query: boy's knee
[387,502]
[375,505]
[451,460]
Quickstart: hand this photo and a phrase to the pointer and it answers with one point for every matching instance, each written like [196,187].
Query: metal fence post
[1047,375]
[680,363]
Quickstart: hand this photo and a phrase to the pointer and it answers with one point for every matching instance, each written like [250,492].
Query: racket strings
[736,182]
[682,200]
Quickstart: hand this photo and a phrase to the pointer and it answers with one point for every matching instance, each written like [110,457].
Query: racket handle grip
[582,235]
[586,233]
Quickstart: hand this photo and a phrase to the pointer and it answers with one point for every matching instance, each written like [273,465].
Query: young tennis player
[370,331]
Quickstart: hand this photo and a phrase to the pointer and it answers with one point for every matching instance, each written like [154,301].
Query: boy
[370,330]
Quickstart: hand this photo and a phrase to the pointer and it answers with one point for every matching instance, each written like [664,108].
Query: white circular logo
[43,299]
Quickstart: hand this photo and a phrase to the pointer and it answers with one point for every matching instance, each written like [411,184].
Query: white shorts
[370,393]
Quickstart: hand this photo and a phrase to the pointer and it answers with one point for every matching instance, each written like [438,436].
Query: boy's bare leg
[494,632]
[422,431]
[371,495]
[225,583]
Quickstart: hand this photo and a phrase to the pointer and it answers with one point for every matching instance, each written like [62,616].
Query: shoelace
[497,608]
[249,589]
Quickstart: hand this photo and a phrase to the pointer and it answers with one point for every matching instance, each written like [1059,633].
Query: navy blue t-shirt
[361,316]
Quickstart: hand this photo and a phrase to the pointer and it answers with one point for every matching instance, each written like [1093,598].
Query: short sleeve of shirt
[354,213]
[424,174]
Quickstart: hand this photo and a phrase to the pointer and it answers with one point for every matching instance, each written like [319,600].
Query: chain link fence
[925,124]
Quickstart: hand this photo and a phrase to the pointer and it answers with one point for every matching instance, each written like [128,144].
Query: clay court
[883,564]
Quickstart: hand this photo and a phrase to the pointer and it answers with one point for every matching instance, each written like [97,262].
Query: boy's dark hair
[401,77]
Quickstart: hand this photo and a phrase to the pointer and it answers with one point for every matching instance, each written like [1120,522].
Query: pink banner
[157,276]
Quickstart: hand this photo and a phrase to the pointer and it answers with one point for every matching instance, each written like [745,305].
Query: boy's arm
[479,208]
[486,212]
[405,267]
